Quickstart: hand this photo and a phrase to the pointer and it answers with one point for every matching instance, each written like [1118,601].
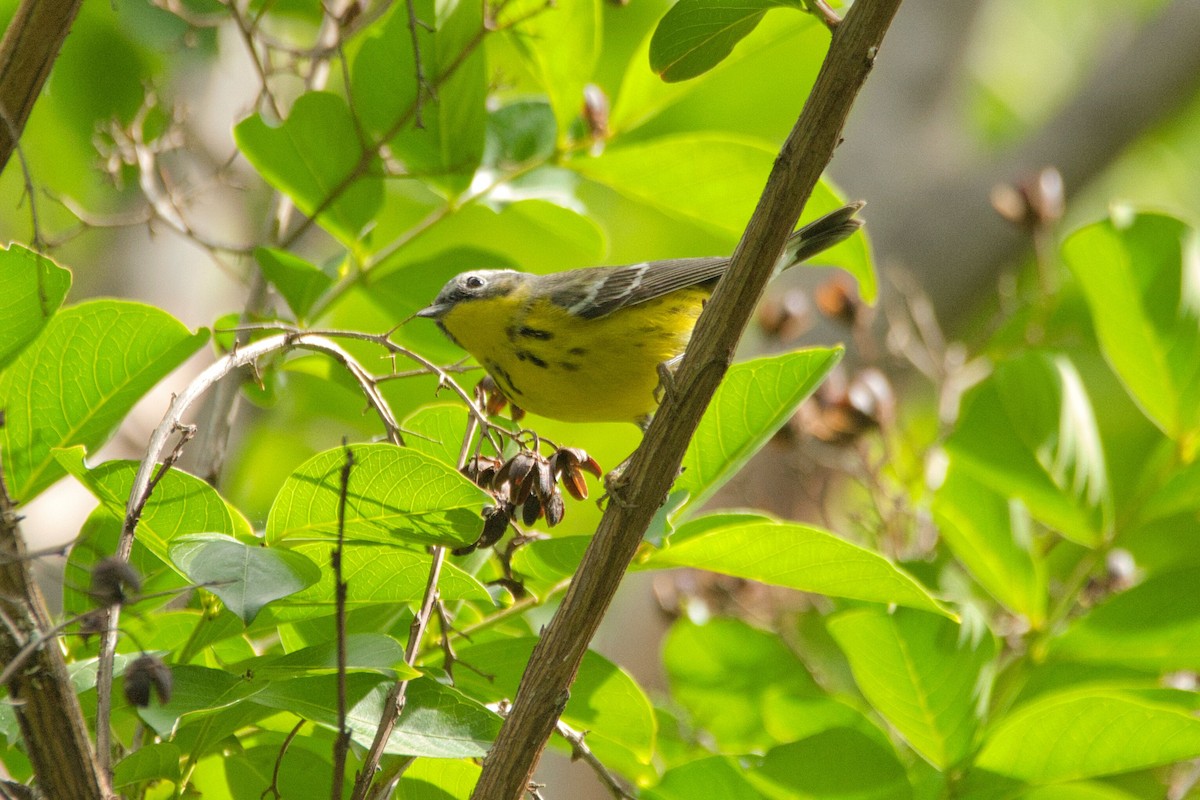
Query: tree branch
[545,685]
[28,50]
[51,720]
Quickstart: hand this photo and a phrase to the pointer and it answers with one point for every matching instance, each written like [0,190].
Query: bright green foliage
[695,35]
[313,156]
[395,496]
[1002,610]
[245,577]
[1086,734]
[34,289]
[300,282]
[921,674]
[78,379]
[753,402]
[1141,277]
[798,557]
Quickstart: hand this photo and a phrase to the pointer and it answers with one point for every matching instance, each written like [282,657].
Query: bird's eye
[473,282]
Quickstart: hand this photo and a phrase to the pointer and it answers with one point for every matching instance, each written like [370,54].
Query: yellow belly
[578,370]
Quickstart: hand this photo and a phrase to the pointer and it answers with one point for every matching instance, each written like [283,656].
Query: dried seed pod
[543,480]
[515,471]
[495,523]
[574,483]
[579,456]
[144,673]
[555,509]
[531,510]
[113,582]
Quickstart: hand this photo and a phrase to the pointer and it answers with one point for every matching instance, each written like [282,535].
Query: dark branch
[545,685]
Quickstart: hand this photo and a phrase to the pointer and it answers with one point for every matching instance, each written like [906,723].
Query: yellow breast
[564,367]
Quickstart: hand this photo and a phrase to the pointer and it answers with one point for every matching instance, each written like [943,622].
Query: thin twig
[394,704]
[389,776]
[368,155]
[273,788]
[172,421]
[341,745]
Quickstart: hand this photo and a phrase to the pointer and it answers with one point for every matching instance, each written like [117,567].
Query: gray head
[477,284]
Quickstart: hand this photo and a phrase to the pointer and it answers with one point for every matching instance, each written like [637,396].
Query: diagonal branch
[40,692]
[546,683]
[27,52]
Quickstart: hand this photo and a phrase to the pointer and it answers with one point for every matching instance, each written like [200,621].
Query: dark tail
[821,234]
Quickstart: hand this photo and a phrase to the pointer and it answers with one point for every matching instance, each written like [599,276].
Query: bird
[591,344]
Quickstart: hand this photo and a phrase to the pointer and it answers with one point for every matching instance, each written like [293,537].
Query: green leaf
[1076,791]
[151,762]
[520,132]
[991,535]
[715,776]
[719,101]
[34,288]
[77,381]
[714,180]
[375,574]
[550,560]
[438,430]
[729,675]
[316,158]
[1141,278]
[696,35]
[299,282]
[1178,494]
[921,673]
[605,700]
[1088,733]
[437,722]
[838,764]
[1148,627]
[1028,432]
[438,779]
[395,496]
[195,690]
[180,504]
[296,770]
[751,404]
[560,45]
[447,145]
[365,652]
[245,577]
[799,557]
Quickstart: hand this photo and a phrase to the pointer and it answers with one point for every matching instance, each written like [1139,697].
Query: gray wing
[597,291]
[594,292]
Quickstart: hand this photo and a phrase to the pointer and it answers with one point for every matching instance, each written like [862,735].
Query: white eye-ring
[473,282]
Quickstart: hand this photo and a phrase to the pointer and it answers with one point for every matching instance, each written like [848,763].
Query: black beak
[434,311]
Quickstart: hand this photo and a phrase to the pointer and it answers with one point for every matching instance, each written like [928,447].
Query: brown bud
[113,582]
[144,673]
[595,111]
[786,316]
[837,299]
[489,395]
[1034,201]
